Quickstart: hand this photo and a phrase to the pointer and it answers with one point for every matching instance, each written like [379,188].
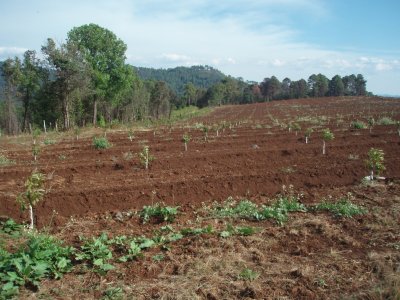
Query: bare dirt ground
[312,256]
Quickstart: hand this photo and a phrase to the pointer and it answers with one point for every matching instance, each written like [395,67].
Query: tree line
[86,80]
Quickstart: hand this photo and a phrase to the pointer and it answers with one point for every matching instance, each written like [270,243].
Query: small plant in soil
[358,125]
[342,208]
[5,161]
[248,274]
[145,157]
[327,136]
[35,151]
[33,194]
[371,123]
[386,121]
[159,212]
[296,127]
[375,162]
[35,134]
[77,131]
[131,135]
[96,254]
[101,143]
[185,140]
[205,130]
[307,134]
[398,127]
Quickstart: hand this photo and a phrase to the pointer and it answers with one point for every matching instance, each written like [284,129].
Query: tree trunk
[372,175]
[323,147]
[31,216]
[306,139]
[95,111]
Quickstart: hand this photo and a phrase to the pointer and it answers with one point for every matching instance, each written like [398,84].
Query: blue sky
[252,39]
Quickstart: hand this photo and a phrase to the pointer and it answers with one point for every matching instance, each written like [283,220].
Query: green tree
[105,53]
[11,70]
[360,85]
[160,100]
[336,86]
[190,93]
[71,72]
[349,83]
[270,88]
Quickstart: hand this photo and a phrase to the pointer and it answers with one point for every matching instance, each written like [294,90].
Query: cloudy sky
[252,39]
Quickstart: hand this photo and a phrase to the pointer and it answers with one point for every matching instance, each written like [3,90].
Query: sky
[252,39]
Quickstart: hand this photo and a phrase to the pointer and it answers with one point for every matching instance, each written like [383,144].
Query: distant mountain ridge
[177,78]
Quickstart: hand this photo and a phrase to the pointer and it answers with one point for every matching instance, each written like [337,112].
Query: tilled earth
[312,256]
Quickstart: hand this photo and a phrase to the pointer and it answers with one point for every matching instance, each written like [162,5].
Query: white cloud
[6,52]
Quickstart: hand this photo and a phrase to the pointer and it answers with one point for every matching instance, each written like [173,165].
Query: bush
[386,121]
[101,143]
[358,125]
[159,212]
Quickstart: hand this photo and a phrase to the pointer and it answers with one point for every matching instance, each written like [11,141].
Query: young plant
[205,130]
[185,140]
[296,127]
[35,151]
[5,161]
[358,125]
[327,135]
[131,135]
[398,127]
[101,143]
[35,134]
[34,192]
[375,162]
[371,123]
[307,134]
[77,131]
[159,212]
[145,157]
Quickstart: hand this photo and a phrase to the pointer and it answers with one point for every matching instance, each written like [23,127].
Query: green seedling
[296,127]
[158,211]
[205,130]
[307,134]
[77,131]
[35,151]
[371,123]
[35,134]
[327,135]
[131,135]
[101,143]
[375,162]
[145,157]
[185,140]
[34,192]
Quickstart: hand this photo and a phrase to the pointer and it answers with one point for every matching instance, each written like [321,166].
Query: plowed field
[253,155]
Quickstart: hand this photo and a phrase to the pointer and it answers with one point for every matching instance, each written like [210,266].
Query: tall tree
[11,71]
[160,99]
[190,93]
[349,83]
[336,86]
[105,53]
[31,77]
[270,87]
[360,83]
[71,73]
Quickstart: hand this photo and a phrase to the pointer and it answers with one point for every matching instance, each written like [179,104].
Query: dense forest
[86,80]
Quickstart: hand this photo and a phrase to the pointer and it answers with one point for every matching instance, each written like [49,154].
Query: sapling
[34,192]
[371,123]
[205,131]
[307,134]
[185,140]
[35,134]
[77,131]
[145,157]
[327,135]
[375,162]
[131,135]
[398,127]
[35,151]
[296,127]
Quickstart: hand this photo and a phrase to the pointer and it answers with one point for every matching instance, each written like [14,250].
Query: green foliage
[4,161]
[248,274]
[296,127]
[196,231]
[308,132]
[48,141]
[386,121]
[113,293]
[131,135]
[101,143]
[358,125]
[158,211]
[10,227]
[246,209]
[186,140]
[375,161]
[327,135]
[238,230]
[102,122]
[34,190]
[42,256]
[96,254]
[35,150]
[342,208]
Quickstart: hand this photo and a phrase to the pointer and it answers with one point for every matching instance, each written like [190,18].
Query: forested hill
[177,78]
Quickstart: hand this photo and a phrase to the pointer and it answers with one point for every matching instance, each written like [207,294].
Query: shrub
[185,140]
[101,143]
[145,157]
[158,211]
[358,125]
[327,135]
[342,208]
[386,121]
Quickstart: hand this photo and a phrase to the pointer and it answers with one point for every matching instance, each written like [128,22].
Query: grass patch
[101,143]
[5,161]
[342,208]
